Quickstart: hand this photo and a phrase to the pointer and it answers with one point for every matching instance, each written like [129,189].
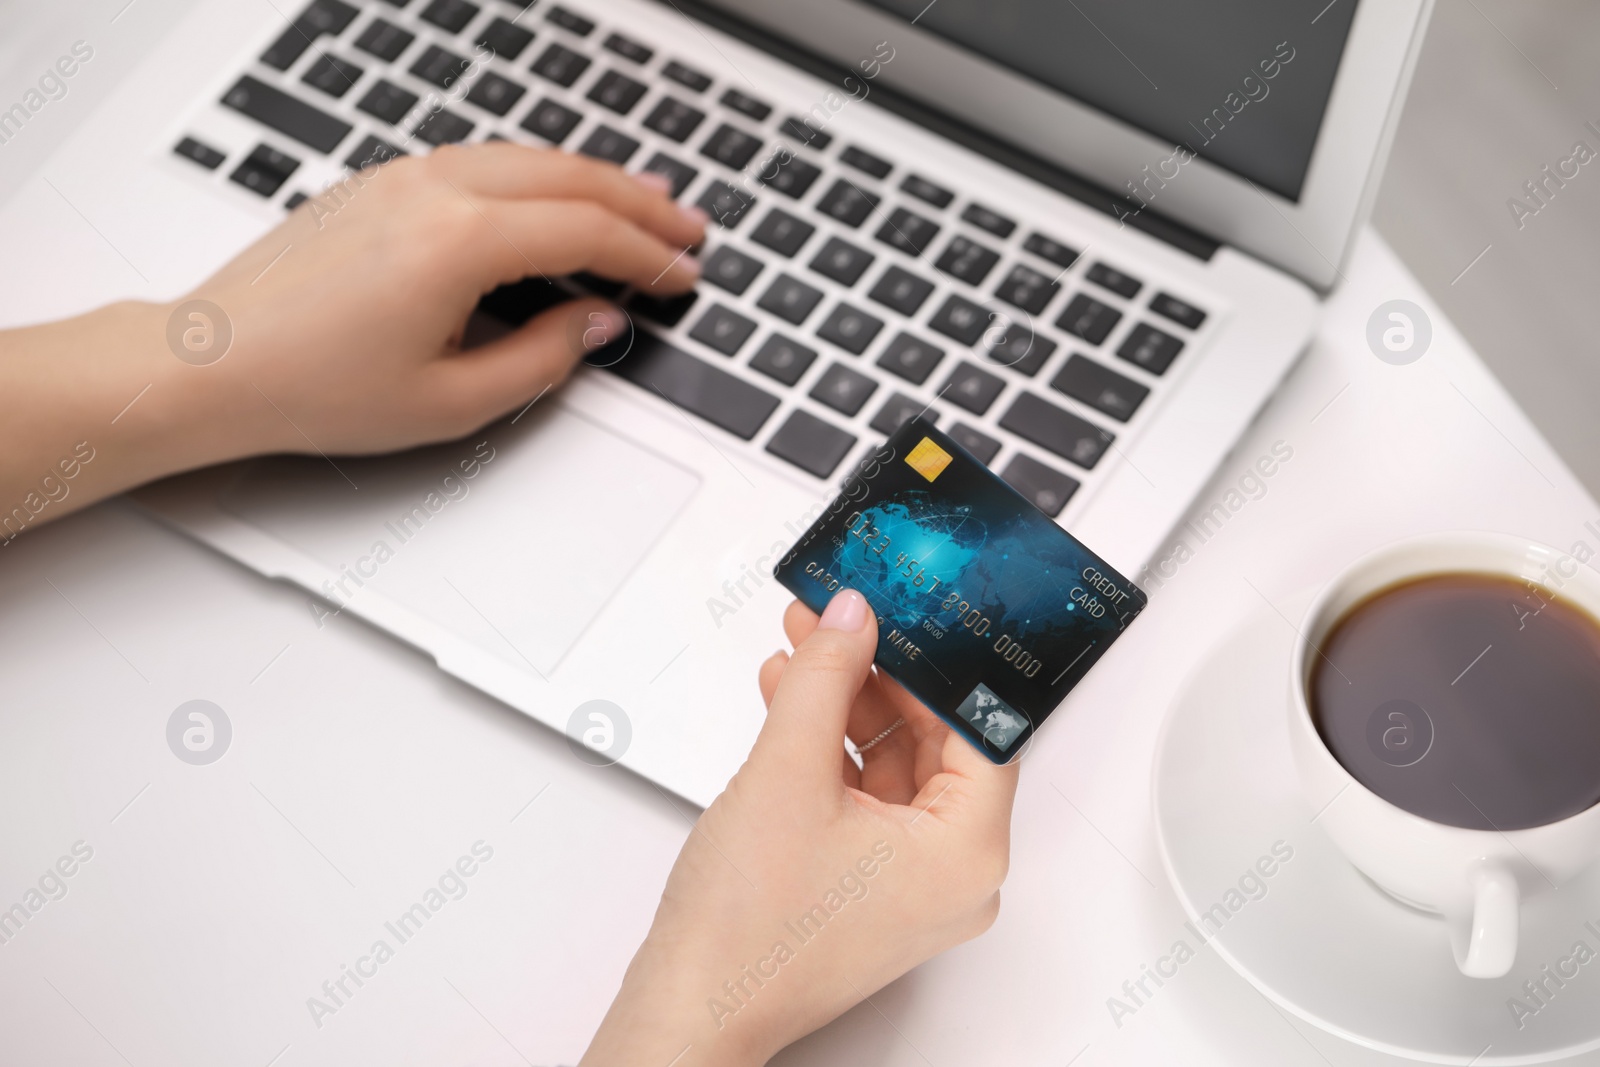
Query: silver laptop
[1086,237]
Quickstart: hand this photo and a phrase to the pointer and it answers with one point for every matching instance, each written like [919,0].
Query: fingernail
[695,216]
[610,326]
[846,611]
[651,180]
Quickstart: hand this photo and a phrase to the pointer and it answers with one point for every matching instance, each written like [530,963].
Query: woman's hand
[809,884]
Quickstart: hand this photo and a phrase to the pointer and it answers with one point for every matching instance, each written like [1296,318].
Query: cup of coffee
[1445,721]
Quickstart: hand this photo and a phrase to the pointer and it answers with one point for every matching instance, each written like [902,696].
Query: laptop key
[687,77]
[782,232]
[495,94]
[961,319]
[384,40]
[1021,349]
[972,387]
[850,329]
[811,444]
[985,219]
[1100,387]
[898,410]
[294,200]
[981,445]
[790,176]
[1035,419]
[570,21]
[505,39]
[967,260]
[372,151]
[628,48]
[748,106]
[1027,289]
[196,152]
[264,170]
[865,161]
[1147,347]
[674,119]
[451,16]
[552,121]
[322,17]
[1170,307]
[723,329]
[847,203]
[901,290]
[388,102]
[790,299]
[1046,488]
[730,269]
[610,145]
[443,127]
[1112,279]
[667,310]
[731,147]
[618,92]
[910,358]
[801,130]
[725,204]
[561,65]
[783,360]
[841,261]
[691,383]
[291,117]
[1089,319]
[921,188]
[679,174]
[1051,249]
[909,232]
[843,389]
[439,67]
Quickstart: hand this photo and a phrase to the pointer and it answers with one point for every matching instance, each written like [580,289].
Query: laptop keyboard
[844,291]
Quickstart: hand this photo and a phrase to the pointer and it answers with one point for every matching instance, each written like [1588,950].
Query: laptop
[1087,238]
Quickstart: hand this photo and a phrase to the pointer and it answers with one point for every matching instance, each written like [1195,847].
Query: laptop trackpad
[514,538]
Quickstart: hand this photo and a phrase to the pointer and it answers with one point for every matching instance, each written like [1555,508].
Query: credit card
[988,612]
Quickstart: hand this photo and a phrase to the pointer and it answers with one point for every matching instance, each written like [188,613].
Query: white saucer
[1323,942]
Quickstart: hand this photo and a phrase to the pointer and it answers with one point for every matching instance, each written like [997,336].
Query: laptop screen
[1240,83]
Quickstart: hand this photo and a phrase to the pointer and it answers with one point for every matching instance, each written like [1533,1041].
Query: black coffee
[1468,699]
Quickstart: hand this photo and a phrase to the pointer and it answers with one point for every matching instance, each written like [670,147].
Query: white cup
[1475,879]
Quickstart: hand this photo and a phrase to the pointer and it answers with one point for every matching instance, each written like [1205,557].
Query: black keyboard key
[901,290]
[1022,350]
[628,48]
[725,204]
[384,40]
[674,119]
[202,154]
[264,170]
[1089,319]
[1035,419]
[372,151]
[730,269]
[618,92]
[505,39]
[443,127]
[921,188]
[967,260]
[850,329]
[910,358]
[898,410]
[810,443]
[782,232]
[495,94]
[294,200]
[561,65]
[686,76]
[961,319]
[723,329]
[909,232]
[570,21]
[610,145]
[843,262]
[973,388]
[609,288]
[1147,347]
[847,203]
[843,389]
[865,162]
[667,310]
[1053,250]
[790,299]
[1046,488]
[1101,388]
[783,360]
[439,67]
[323,16]
[807,134]
[692,384]
[790,176]
[277,110]
[983,447]
[552,121]
[1170,307]
[1027,289]
[679,174]
[746,105]
[1112,279]
[985,219]
[388,102]
[451,16]
[731,147]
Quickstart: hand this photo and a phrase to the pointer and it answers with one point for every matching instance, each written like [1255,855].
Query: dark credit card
[988,612]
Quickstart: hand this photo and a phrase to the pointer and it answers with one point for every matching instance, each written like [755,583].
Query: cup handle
[1485,942]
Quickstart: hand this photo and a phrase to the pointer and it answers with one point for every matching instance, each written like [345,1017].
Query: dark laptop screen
[1242,83]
